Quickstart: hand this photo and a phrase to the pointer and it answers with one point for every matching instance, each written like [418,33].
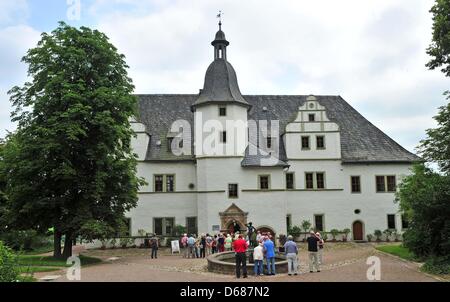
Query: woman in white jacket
[258,256]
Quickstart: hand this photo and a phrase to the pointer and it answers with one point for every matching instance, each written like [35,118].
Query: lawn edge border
[419,264]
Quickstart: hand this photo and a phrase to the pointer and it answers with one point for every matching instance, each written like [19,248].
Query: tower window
[290,181]
[269,142]
[222,111]
[220,53]
[223,137]
[233,191]
[264,182]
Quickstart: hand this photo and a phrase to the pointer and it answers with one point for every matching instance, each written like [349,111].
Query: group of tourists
[202,246]
[265,251]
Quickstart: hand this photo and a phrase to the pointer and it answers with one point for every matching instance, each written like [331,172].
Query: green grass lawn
[397,250]
[30,264]
[36,260]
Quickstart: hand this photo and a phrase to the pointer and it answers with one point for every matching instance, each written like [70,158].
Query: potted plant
[325,236]
[346,232]
[378,234]
[295,232]
[306,226]
[396,235]
[387,233]
[369,237]
[334,233]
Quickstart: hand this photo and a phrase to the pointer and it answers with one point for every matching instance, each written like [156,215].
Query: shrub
[179,230]
[24,240]
[437,265]
[9,271]
[334,233]
[295,231]
[346,232]
[378,234]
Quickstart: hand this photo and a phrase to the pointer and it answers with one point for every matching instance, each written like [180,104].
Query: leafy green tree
[436,147]
[424,198]
[70,161]
[439,49]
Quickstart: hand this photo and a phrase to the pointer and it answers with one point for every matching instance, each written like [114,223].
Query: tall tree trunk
[57,244]
[67,246]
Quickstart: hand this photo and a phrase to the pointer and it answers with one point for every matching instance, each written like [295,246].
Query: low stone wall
[217,264]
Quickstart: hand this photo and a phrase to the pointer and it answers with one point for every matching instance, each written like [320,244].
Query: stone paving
[342,262]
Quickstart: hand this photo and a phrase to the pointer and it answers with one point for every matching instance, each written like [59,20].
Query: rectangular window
[233,191]
[356,184]
[269,142]
[312,117]
[381,184]
[170,183]
[169,223]
[191,225]
[318,223]
[386,184]
[320,140]
[223,137]
[391,221]
[305,142]
[158,226]
[288,223]
[164,183]
[222,111]
[309,180]
[320,177]
[405,223]
[159,183]
[290,181]
[391,184]
[264,182]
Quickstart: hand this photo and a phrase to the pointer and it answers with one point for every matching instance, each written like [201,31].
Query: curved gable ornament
[233,213]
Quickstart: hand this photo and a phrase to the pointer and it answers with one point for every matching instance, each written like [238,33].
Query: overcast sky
[370,52]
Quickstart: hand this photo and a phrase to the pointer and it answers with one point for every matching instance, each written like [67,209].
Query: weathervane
[219,16]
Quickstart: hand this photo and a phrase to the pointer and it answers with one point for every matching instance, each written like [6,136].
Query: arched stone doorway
[230,214]
[264,229]
[358,230]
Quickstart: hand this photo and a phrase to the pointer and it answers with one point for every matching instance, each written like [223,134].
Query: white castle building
[318,159]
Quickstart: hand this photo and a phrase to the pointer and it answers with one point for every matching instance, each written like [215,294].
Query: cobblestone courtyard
[342,262]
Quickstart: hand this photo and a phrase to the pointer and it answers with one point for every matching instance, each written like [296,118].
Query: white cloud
[13,11]
[370,52]
[14,43]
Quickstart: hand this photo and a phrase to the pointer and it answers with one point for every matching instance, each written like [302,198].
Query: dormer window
[169,144]
[312,117]
[222,111]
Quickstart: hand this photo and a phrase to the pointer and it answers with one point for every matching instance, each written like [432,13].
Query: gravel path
[342,262]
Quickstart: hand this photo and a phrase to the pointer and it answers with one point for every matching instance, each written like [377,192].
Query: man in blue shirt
[291,251]
[269,249]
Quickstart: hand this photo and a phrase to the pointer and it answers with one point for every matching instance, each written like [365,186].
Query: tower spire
[220,43]
[220,19]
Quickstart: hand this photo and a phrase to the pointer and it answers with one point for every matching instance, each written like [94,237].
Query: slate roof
[361,141]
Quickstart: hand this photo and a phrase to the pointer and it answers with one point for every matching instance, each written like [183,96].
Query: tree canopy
[70,161]
[439,49]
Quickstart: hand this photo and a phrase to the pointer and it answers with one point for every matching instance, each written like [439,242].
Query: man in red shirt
[240,247]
